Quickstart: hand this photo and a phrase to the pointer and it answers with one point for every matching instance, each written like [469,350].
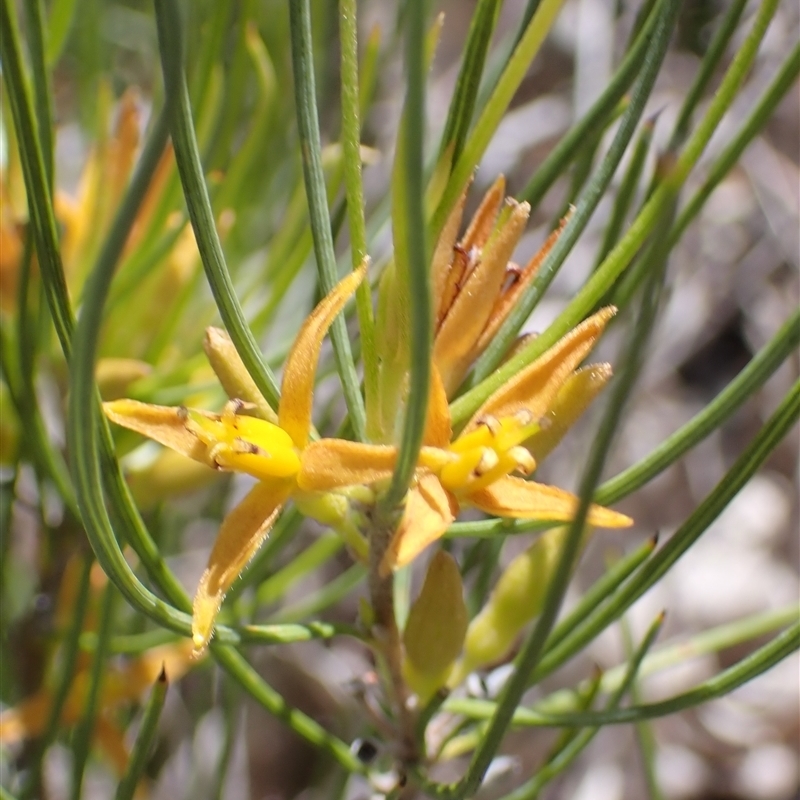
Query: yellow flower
[475,468]
[475,285]
[272,453]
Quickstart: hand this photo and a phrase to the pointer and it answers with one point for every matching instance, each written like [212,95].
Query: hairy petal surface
[438,427]
[573,398]
[164,424]
[430,510]
[297,389]
[453,349]
[240,536]
[535,388]
[520,499]
[334,463]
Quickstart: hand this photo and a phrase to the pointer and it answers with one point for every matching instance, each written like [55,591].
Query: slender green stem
[34,13]
[198,203]
[763,109]
[47,458]
[62,13]
[619,258]
[465,95]
[495,108]
[236,666]
[766,657]
[328,595]
[568,754]
[710,641]
[742,387]
[64,679]
[277,585]
[669,655]
[711,59]
[627,191]
[36,182]
[286,633]
[82,738]
[416,249]
[354,189]
[89,436]
[590,198]
[600,589]
[310,149]
[692,529]
[644,732]
[569,144]
[145,739]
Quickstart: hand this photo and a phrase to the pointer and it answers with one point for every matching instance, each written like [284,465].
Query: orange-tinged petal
[441,263]
[430,510]
[240,536]
[521,499]
[509,298]
[535,387]
[438,427]
[165,424]
[453,349]
[294,411]
[572,400]
[334,463]
[484,219]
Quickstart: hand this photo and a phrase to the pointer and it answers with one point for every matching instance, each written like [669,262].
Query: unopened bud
[434,633]
[232,373]
[170,475]
[516,600]
[573,398]
[115,375]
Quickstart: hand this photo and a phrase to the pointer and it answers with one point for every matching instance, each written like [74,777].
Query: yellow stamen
[248,444]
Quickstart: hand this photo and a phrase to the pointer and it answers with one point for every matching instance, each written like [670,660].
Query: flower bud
[170,475]
[435,629]
[573,398]
[232,374]
[115,375]
[516,600]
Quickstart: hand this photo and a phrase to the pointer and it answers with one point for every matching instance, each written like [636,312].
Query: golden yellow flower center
[482,456]
[245,444]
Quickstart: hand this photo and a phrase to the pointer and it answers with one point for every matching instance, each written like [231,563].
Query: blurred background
[733,280]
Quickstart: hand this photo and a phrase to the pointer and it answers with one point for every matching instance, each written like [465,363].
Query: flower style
[272,452]
[474,469]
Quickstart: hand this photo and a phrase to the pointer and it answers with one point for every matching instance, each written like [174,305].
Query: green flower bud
[115,375]
[435,629]
[516,600]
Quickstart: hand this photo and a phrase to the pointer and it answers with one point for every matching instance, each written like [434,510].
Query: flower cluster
[484,466]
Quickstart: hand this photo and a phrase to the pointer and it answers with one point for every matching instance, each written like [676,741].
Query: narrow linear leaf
[310,149]
[145,739]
